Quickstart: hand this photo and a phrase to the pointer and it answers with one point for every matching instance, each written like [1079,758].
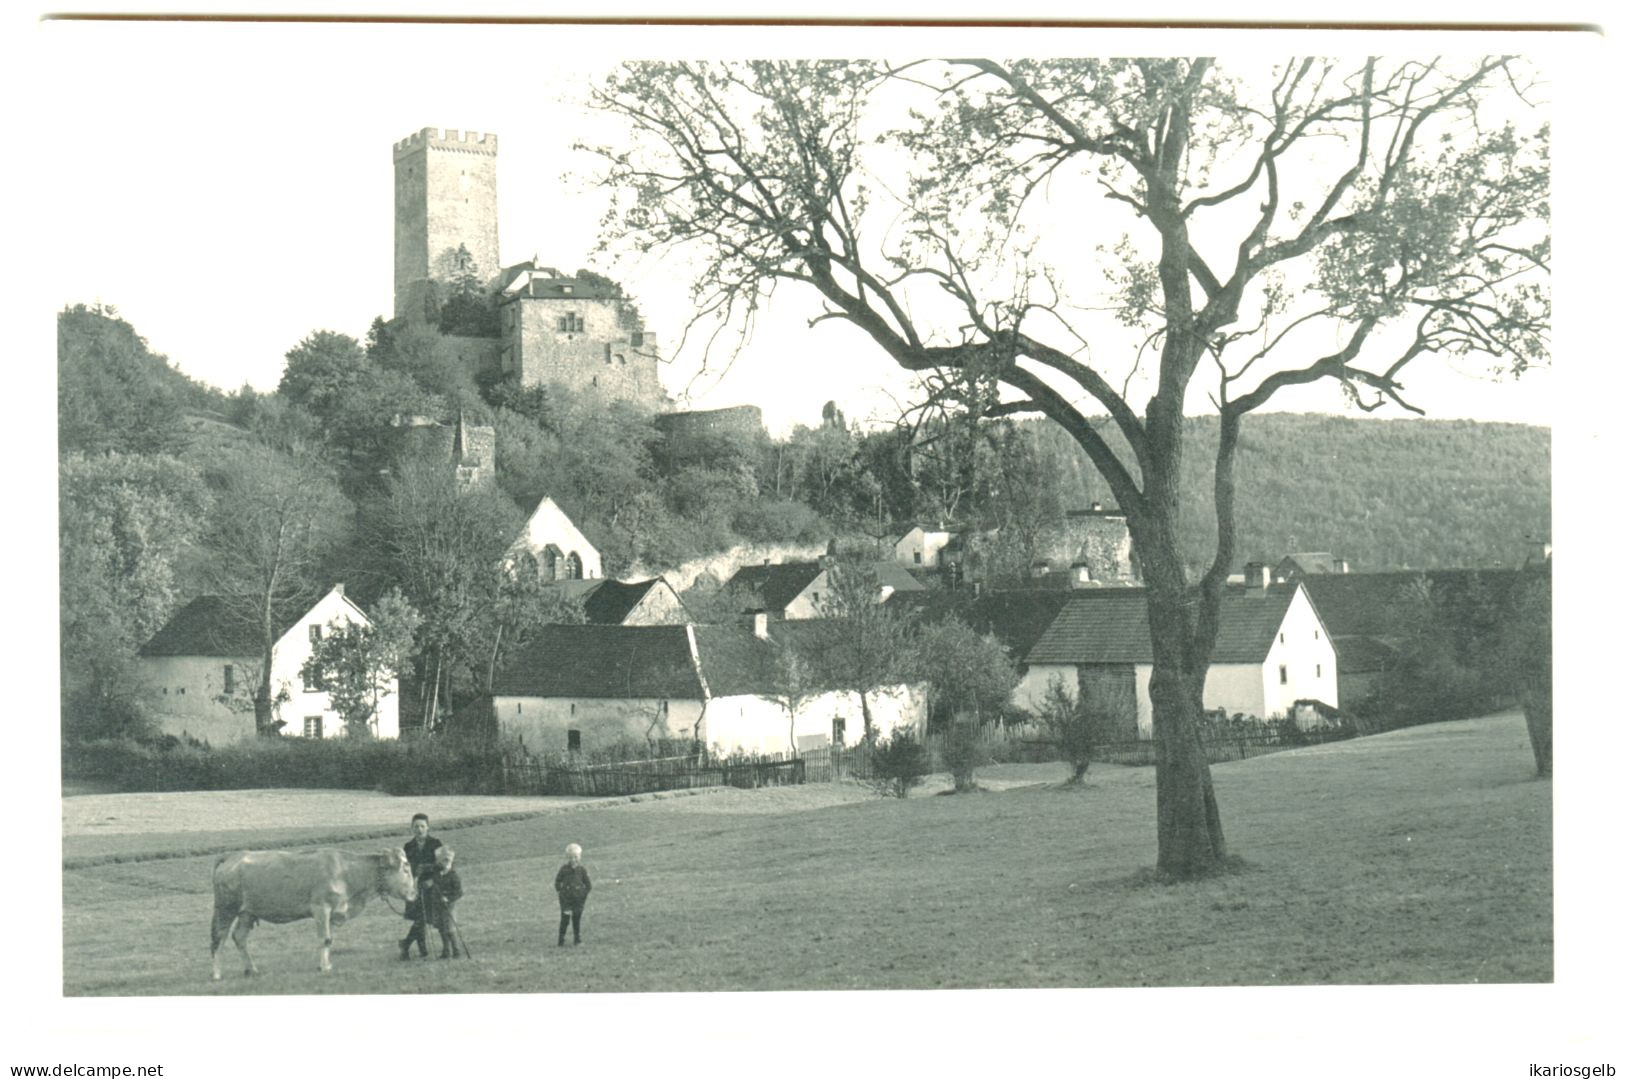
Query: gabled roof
[210,626]
[737,662]
[619,662]
[1384,604]
[780,584]
[777,584]
[1016,618]
[1362,655]
[612,601]
[896,577]
[1309,562]
[1110,625]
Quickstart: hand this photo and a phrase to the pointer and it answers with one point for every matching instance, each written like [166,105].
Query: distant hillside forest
[165,485]
[1384,494]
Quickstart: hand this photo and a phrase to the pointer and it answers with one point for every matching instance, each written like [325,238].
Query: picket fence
[531,775]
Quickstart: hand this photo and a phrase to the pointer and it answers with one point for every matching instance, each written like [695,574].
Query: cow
[277,886]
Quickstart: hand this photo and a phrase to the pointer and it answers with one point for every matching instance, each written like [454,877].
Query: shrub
[421,766]
[898,764]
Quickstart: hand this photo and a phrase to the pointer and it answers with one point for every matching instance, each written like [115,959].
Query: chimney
[1040,568]
[1340,565]
[758,624]
[1080,575]
[339,588]
[1257,576]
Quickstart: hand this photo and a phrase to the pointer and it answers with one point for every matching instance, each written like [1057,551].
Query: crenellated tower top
[468,142]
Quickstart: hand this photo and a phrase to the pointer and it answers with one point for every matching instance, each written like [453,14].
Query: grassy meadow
[1419,856]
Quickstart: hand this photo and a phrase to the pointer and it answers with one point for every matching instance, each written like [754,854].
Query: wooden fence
[531,775]
[1225,745]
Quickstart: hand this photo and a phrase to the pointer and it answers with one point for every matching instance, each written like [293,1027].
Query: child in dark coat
[572,884]
[439,890]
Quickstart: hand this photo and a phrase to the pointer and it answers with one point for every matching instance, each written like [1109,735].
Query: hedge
[419,766]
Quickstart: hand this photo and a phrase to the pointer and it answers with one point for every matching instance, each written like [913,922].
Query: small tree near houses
[1075,722]
[356,662]
[970,680]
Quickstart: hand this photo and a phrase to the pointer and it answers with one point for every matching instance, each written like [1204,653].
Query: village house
[1372,617]
[921,547]
[580,688]
[607,602]
[1272,650]
[790,590]
[552,547]
[202,667]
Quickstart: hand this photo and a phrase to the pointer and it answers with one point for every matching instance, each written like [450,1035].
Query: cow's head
[395,876]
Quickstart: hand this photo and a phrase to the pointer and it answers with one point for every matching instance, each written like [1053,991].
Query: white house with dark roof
[551,546]
[607,602]
[1272,650]
[586,687]
[790,590]
[201,668]
[921,547]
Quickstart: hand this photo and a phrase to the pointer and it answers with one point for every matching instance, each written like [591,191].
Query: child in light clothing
[572,883]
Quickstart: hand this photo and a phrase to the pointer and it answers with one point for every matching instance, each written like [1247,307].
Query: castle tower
[445,198]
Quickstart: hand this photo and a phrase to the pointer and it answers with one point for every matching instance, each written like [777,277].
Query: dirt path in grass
[183,812]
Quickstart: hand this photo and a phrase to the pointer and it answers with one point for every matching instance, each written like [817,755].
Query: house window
[228,682]
[1317,634]
[572,567]
[1317,670]
[916,558]
[313,726]
[519,708]
[607,352]
[572,741]
[637,339]
[180,692]
[837,732]
[1283,638]
[313,680]
[571,323]
[620,359]
[815,597]
[1283,674]
[315,634]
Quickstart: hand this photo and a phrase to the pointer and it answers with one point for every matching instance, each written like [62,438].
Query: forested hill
[1385,494]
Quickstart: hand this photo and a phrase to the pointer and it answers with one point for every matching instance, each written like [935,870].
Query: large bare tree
[1260,227]
[276,519]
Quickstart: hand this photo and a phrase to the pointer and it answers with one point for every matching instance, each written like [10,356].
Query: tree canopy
[1255,228]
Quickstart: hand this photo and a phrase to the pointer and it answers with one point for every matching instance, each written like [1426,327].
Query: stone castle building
[550,328]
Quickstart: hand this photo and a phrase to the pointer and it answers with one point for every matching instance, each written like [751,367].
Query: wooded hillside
[1385,494]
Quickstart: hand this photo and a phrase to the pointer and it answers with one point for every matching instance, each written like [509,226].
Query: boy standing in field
[572,884]
[420,854]
[440,889]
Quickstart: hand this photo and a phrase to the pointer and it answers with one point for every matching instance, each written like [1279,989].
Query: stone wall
[699,435]
[725,564]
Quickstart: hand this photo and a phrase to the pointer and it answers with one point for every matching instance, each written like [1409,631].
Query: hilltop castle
[549,328]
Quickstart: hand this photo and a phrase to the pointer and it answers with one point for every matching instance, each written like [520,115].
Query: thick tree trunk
[1537,717]
[1190,836]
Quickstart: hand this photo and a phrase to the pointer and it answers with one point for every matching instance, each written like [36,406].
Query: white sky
[229,188]
[171,170]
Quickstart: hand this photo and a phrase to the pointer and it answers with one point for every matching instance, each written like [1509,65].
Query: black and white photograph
[809,545]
